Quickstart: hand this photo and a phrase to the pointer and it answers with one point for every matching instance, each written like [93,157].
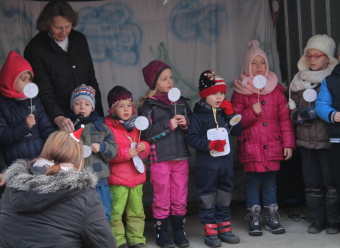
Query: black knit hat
[117,94]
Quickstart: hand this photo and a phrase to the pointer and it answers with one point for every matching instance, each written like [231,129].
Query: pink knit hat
[253,50]
[152,71]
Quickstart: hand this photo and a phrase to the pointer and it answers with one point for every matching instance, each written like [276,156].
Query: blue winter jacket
[17,140]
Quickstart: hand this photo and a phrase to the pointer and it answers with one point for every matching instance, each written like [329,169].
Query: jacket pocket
[275,146]
[247,147]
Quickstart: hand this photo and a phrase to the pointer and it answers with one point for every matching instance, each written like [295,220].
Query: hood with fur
[32,193]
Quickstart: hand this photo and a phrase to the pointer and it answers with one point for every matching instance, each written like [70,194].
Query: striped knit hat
[84,92]
[210,83]
[152,71]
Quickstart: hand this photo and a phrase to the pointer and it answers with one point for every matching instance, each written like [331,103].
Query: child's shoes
[211,235]
[254,218]
[272,222]
[225,234]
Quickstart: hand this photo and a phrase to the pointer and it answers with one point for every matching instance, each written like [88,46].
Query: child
[126,183]
[98,137]
[213,175]
[169,167]
[267,137]
[24,125]
[316,63]
[327,107]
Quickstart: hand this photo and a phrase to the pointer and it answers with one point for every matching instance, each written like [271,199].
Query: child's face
[315,61]
[22,80]
[164,82]
[215,100]
[258,66]
[82,106]
[60,28]
[123,109]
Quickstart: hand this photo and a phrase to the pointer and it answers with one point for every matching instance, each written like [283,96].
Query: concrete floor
[296,235]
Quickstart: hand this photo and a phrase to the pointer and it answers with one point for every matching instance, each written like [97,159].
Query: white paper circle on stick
[309,95]
[87,151]
[174,94]
[236,119]
[31,90]
[259,81]
[141,123]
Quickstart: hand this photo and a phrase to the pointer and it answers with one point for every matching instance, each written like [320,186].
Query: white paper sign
[259,81]
[174,94]
[141,123]
[236,119]
[87,151]
[31,90]
[137,161]
[219,134]
[309,95]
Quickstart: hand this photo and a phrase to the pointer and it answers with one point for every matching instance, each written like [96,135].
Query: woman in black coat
[61,61]
[51,201]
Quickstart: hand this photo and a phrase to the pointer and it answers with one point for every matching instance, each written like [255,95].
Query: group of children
[265,137]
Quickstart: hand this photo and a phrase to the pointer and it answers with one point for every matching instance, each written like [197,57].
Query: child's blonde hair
[61,148]
[148,94]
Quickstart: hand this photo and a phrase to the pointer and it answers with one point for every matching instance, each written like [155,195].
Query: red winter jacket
[122,169]
[263,137]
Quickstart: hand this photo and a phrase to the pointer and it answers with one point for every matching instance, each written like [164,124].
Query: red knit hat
[210,83]
[152,71]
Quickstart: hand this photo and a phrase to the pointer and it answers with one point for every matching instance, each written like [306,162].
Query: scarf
[244,84]
[308,79]
[91,118]
[128,125]
[162,98]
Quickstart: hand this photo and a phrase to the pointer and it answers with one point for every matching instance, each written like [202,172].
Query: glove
[308,114]
[217,145]
[227,107]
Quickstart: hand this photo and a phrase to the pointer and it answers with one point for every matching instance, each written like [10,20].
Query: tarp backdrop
[124,36]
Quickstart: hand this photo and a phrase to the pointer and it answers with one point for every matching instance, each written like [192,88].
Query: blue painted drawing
[192,20]
[111,33]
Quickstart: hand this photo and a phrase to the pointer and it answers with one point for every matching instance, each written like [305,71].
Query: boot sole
[255,233]
[276,231]
[183,245]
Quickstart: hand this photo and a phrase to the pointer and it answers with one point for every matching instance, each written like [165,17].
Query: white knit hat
[322,43]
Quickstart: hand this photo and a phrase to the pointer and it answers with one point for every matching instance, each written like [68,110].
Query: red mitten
[217,145]
[227,107]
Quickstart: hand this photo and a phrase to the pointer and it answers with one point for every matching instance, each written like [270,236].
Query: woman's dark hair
[53,9]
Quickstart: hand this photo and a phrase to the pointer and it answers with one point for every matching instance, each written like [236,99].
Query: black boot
[254,218]
[178,233]
[272,217]
[225,234]
[316,211]
[210,238]
[332,212]
[163,239]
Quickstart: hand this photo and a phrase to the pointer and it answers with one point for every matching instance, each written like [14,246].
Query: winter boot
[332,212]
[210,238]
[178,233]
[225,234]
[272,217]
[316,211]
[163,239]
[254,218]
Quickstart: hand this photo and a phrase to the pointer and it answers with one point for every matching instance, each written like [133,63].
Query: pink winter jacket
[122,169]
[263,137]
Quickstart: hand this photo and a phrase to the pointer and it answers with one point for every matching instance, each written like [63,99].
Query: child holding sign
[24,124]
[126,182]
[169,167]
[316,63]
[211,122]
[266,139]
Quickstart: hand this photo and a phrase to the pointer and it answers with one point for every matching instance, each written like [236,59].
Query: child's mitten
[227,107]
[217,145]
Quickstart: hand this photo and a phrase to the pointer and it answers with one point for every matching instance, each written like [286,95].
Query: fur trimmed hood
[32,193]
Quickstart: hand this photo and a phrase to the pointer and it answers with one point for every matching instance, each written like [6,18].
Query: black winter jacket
[201,121]
[60,210]
[17,140]
[57,73]
[170,144]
